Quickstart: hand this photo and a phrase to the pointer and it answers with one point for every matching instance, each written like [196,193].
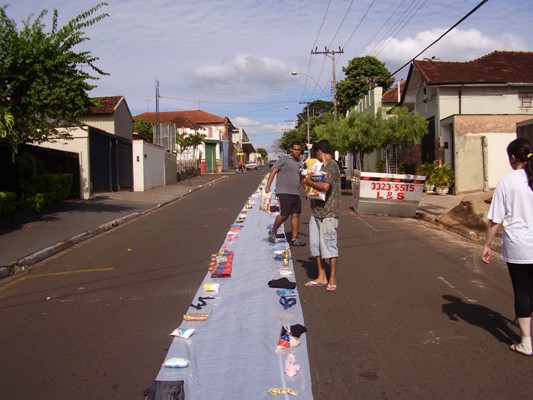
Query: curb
[461,230]
[23,264]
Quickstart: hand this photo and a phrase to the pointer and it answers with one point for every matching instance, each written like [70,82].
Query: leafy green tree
[263,154]
[290,136]
[403,127]
[44,81]
[316,108]
[323,114]
[362,74]
[365,132]
[145,129]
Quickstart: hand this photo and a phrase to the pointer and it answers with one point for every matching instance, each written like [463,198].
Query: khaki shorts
[323,237]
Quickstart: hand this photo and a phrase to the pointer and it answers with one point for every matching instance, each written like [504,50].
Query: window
[526,99]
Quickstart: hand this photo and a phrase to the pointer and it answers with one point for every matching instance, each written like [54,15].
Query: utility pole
[157,138]
[331,54]
[307,122]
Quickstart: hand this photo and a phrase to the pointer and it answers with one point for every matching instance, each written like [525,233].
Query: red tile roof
[498,67]
[196,116]
[391,95]
[107,105]
[181,122]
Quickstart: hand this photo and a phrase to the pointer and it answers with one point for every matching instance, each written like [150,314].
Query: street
[416,315]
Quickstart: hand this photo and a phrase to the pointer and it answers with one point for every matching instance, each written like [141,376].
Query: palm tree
[6,123]
[183,142]
[196,140]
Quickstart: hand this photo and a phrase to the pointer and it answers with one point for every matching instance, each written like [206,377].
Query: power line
[327,53]
[384,24]
[441,36]
[391,31]
[360,21]
[342,22]
[314,44]
[397,31]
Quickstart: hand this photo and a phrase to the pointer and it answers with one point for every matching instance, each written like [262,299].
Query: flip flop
[314,284]
[515,350]
[331,288]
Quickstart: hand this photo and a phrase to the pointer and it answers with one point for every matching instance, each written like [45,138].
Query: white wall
[78,144]
[498,162]
[148,166]
[123,121]
[479,100]
[371,101]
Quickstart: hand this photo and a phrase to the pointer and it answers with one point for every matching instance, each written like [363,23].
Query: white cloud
[458,45]
[243,69]
[233,58]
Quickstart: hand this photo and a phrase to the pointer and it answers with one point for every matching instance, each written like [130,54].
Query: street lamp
[334,90]
[294,73]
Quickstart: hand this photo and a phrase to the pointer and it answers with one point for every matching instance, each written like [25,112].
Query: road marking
[79,271]
[468,299]
[367,224]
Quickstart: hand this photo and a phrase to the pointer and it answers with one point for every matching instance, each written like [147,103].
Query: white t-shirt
[512,205]
[317,166]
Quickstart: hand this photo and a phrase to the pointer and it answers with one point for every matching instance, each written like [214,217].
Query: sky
[234,58]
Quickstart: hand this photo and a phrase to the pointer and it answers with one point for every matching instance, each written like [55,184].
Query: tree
[183,143]
[44,84]
[196,140]
[321,114]
[263,154]
[145,129]
[289,137]
[365,132]
[362,75]
[316,107]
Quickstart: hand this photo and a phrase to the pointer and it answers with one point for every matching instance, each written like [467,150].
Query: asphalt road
[416,315]
[94,322]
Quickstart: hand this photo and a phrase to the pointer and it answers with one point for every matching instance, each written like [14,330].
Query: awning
[248,148]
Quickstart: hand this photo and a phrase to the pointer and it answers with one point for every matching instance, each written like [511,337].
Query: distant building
[217,151]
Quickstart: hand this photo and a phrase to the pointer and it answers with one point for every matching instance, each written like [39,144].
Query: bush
[38,187]
[58,187]
[442,176]
[8,203]
[427,168]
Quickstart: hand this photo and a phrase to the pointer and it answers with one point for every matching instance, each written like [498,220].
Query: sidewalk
[28,239]
[464,214]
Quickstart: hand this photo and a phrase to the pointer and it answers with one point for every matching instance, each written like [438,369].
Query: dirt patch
[472,211]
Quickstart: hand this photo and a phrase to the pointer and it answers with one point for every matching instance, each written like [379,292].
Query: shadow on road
[491,321]
[51,213]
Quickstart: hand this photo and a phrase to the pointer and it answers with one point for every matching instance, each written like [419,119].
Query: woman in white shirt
[512,206]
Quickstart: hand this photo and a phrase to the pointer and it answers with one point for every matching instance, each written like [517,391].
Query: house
[104,145]
[110,159]
[217,150]
[370,103]
[244,149]
[473,109]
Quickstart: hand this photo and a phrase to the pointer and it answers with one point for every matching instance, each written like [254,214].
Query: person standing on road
[324,220]
[512,206]
[288,169]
